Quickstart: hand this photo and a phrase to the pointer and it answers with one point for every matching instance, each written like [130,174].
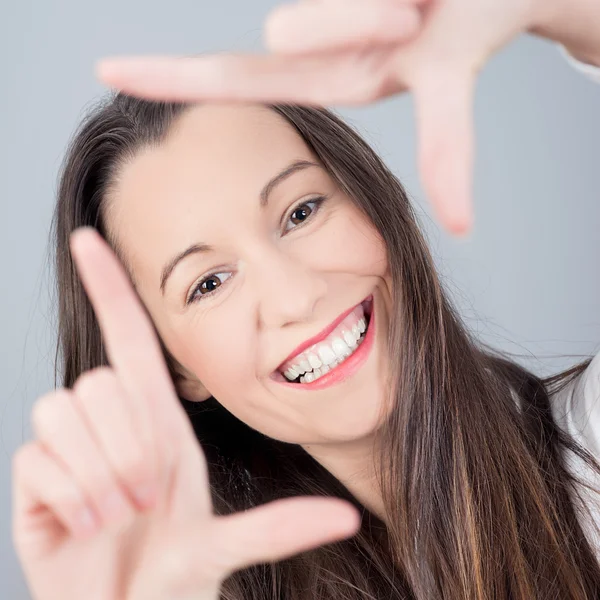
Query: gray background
[527,279]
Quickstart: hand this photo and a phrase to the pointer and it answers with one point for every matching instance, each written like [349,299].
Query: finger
[341,78]
[273,532]
[102,402]
[47,502]
[323,26]
[131,343]
[64,434]
[346,2]
[444,110]
[128,449]
[307,80]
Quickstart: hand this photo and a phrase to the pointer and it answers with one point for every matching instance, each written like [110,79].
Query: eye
[211,283]
[301,214]
[206,286]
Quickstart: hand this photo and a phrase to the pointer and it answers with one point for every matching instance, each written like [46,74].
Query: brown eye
[207,286]
[303,212]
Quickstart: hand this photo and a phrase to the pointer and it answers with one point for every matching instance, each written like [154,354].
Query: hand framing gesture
[112,500]
[355,52]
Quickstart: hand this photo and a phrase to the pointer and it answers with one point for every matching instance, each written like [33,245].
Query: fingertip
[108,70]
[75,238]
[352,519]
[117,71]
[78,236]
[462,231]
[458,225]
[103,69]
[410,22]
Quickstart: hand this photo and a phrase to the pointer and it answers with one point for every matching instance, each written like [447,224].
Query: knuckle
[178,564]
[362,93]
[47,410]
[175,564]
[377,24]
[22,457]
[134,467]
[67,496]
[93,380]
[272,27]
[103,489]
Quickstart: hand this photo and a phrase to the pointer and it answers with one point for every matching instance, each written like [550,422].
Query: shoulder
[576,408]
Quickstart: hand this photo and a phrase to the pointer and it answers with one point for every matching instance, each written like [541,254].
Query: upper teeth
[320,358]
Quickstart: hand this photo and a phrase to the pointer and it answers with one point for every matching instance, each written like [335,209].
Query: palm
[89,569]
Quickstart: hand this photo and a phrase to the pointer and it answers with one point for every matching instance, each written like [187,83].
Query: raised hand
[112,498]
[354,52]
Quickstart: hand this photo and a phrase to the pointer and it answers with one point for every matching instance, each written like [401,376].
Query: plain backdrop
[526,280]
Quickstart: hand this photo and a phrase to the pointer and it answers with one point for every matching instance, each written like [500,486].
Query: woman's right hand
[112,498]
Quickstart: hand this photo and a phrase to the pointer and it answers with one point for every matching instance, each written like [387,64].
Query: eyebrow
[201,248]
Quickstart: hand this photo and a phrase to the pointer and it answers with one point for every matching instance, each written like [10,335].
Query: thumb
[444,112]
[281,529]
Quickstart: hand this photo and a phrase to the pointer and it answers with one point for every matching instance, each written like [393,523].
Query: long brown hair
[470,462]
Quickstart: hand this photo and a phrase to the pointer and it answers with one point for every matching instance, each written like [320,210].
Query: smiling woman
[265,242]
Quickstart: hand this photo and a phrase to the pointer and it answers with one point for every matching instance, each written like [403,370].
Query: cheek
[355,245]
[220,353]
[224,359]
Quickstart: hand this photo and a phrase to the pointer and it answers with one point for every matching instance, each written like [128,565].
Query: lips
[367,304]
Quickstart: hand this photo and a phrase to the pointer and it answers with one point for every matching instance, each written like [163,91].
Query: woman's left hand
[354,52]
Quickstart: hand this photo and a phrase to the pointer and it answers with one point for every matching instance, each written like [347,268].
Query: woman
[285,298]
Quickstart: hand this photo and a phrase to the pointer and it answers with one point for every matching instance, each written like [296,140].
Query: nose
[288,289]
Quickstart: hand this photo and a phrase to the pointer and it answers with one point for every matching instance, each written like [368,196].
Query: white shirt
[591,71]
[576,409]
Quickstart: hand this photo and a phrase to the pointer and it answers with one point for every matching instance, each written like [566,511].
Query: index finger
[131,343]
[221,77]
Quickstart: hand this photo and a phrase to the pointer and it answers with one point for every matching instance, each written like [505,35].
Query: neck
[353,465]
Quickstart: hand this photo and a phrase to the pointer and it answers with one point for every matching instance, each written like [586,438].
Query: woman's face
[268,274]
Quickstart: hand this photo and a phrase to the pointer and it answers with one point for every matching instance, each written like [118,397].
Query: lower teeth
[334,364]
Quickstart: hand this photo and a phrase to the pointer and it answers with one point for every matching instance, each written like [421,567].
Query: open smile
[336,356]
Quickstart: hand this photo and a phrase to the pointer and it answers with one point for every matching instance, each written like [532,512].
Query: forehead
[208,171]
[207,142]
